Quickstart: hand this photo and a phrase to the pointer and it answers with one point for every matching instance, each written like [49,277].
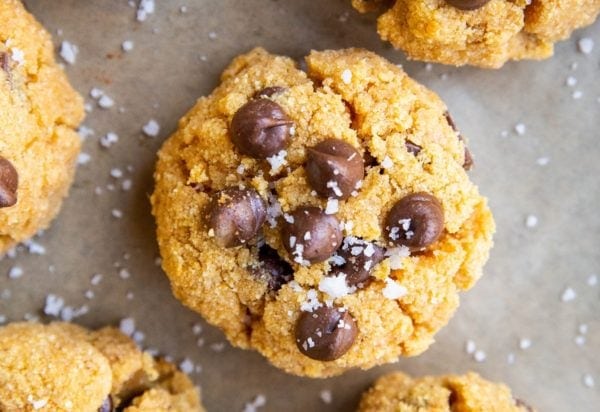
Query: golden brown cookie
[63,367]
[484,33]
[398,392]
[38,142]
[284,205]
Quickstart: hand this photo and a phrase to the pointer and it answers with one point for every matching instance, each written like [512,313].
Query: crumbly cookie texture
[63,367]
[38,141]
[398,392]
[286,295]
[479,32]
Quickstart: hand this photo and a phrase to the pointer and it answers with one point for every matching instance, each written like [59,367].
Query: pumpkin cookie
[397,392]
[63,367]
[485,33]
[323,218]
[38,142]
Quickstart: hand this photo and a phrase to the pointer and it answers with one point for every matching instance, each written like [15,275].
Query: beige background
[175,60]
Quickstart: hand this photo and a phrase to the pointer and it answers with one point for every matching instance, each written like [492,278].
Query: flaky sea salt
[312,301]
[186,366]
[347,76]
[387,163]
[326,396]
[524,343]
[588,380]
[592,280]
[393,289]
[277,161]
[68,51]
[127,45]
[109,139]
[127,326]
[256,403]
[568,295]
[15,272]
[335,286]
[531,221]
[470,347]
[520,129]
[332,207]
[396,256]
[479,356]
[151,129]
[54,305]
[106,102]
[145,8]
[586,45]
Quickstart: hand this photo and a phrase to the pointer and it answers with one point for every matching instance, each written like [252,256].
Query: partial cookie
[325,218]
[485,33]
[38,142]
[63,367]
[397,392]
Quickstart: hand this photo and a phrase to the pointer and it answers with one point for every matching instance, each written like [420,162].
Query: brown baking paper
[178,54]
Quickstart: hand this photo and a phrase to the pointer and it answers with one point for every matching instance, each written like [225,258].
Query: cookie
[38,141]
[398,392]
[323,218]
[485,33]
[63,367]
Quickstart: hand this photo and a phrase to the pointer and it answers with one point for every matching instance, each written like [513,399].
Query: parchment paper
[178,56]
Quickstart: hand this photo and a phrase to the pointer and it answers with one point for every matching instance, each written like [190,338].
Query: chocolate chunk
[467,4]
[523,405]
[413,148]
[468,163]
[416,221]
[326,333]
[107,405]
[9,183]
[359,259]
[261,129]
[269,91]
[310,235]
[334,168]
[235,216]
[273,268]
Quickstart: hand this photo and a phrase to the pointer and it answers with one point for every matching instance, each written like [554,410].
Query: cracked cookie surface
[397,392]
[479,32]
[314,297]
[38,141]
[63,367]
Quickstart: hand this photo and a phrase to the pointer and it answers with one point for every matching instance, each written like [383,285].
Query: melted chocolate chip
[468,163]
[273,268]
[269,91]
[310,235]
[416,221]
[467,4]
[326,333]
[9,183]
[235,216]
[261,129]
[359,259]
[107,405]
[334,168]
[412,148]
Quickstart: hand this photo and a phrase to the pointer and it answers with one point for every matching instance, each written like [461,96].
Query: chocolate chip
[9,183]
[273,268]
[261,129]
[334,168]
[311,235]
[468,163]
[416,221]
[412,148]
[107,405]
[356,259]
[467,4]
[326,333]
[523,405]
[235,216]
[269,91]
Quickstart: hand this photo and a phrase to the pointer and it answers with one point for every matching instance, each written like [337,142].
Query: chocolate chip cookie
[63,367]
[484,33]
[324,218]
[38,142]
[397,392]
